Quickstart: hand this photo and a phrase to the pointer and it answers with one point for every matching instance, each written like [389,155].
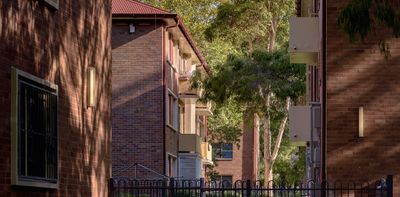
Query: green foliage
[234,36]
[289,167]
[246,19]
[355,20]
[224,125]
[248,24]
[197,16]
[360,17]
[212,174]
[290,164]
[246,80]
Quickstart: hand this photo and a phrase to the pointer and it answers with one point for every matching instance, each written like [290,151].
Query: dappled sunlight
[359,75]
[59,46]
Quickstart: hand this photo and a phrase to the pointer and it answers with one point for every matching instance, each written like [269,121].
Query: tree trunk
[282,127]
[269,158]
[272,34]
[256,121]
[267,142]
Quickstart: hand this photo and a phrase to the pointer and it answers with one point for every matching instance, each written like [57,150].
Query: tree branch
[280,134]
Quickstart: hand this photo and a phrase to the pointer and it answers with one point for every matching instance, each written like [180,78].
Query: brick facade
[138,127]
[59,46]
[358,75]
[244,163]
[137,100]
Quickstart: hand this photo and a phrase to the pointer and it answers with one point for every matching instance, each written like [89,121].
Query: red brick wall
[59,46]
[241,167]
[137,98]
[358,75]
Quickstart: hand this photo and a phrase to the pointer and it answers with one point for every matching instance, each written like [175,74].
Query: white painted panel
[300,123]
[304,35]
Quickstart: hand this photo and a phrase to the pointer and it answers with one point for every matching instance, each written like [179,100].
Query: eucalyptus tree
[265,84]
[250,25]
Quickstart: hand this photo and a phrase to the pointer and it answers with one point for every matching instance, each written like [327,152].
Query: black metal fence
[124,187]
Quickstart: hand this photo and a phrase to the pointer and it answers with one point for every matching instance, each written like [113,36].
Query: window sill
[27,182]
[223,159]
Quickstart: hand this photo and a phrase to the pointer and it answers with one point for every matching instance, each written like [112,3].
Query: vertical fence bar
[111,188]
[248,188]
[164,185]
[201,187]
[389,182]
[171,186]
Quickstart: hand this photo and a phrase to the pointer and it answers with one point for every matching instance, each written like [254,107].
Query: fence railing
[124,187]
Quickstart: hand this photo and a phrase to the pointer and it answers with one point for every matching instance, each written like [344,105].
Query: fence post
[201,187]
[164,187]
[248,188]
[389,182]
[111,187]
[171,186]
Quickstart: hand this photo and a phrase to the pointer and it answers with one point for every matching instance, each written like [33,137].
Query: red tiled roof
[135,7]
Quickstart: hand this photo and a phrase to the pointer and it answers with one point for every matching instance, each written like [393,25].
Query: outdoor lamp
[360,122]
[132,28]
[91,91]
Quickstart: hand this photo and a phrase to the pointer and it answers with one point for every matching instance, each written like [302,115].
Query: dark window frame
[222,179]
[218,150]
[39,98]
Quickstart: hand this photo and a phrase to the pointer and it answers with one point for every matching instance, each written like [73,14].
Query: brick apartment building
[238,162]
[159,128]
[55,96]
[355,92]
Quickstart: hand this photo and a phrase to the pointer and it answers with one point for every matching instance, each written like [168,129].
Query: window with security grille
[36,131]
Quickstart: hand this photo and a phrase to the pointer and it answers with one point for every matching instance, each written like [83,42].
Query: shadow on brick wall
[59,46]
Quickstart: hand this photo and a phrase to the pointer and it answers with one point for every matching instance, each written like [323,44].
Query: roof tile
[135,7]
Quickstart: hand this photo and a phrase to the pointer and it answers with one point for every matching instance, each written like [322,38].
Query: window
[200,126]
[182,66]
[172,111]
[225,181]
[182,119]
[223,151]
[171,166]
[35,147]
[168,46]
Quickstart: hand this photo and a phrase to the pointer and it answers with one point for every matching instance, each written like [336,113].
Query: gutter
[323,92]
[164,89]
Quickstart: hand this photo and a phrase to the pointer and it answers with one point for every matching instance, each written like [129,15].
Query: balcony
[304,123]
[304,40]
[206,153]
[189,143]
[203,109]
[185,87]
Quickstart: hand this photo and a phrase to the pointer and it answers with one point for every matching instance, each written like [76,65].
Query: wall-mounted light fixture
[91,88]
[132,28]
[361,122]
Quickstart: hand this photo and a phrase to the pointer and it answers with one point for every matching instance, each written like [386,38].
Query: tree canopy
[245,43]
[361,17]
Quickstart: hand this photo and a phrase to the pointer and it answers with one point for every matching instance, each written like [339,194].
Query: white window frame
[174,167]
[15,179]
[175,112]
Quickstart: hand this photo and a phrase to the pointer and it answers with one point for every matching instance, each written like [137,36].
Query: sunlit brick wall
[59,46]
